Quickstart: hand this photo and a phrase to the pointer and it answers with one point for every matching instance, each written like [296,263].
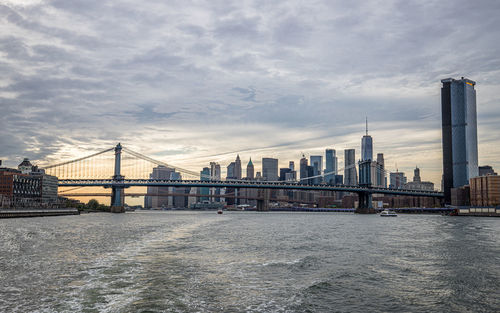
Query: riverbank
[16,213]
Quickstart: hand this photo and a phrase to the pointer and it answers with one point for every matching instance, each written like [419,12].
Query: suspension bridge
[126,168]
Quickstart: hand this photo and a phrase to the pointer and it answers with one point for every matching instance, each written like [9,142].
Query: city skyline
[189,94]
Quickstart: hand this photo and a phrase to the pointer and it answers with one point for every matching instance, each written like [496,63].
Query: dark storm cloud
[114,69]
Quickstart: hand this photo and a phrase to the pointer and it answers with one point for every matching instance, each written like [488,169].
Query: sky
[189,82]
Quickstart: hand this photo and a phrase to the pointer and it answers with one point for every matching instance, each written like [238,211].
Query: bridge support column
[263,202]
[117,195]
[365,203]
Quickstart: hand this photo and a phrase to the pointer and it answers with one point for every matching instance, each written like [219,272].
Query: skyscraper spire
[367,125]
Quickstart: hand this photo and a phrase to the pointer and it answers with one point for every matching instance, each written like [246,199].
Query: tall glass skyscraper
[459,126]
[270,169]
[331,165]
[317,164]
[350,173]
[366,146]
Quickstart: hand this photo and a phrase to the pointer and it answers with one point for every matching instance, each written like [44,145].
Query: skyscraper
[381,178]
[317,164]
[237,167]
[397,180]
[366,146]
[231,171]
[303,169]
[350,173]
[205,176]
[250,170]
[270,169]
[291,165]
[330,166]
[459,127]
[215,173]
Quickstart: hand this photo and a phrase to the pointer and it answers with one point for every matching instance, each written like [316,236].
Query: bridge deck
[126,183]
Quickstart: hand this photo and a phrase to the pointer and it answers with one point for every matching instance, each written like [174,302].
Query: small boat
[219,211]
[388,213]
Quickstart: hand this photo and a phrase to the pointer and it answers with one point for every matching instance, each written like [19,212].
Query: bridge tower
[117,192]
[263,202]
[365,197]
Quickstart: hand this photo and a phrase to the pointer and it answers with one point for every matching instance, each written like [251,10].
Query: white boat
[388,213]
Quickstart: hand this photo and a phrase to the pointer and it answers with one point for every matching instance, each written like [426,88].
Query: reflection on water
[249,262]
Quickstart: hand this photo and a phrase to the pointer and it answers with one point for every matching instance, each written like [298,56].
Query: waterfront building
[397,180]
[459,129]
[485,191]
[350,173]
[49,186]
[366,146]
[417,183]
[331,163]
[270,169]
[250,170]
[237,167]
[317,164]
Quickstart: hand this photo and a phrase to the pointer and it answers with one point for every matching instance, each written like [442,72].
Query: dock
[14,213]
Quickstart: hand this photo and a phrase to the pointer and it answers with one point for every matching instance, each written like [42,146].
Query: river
[182,261]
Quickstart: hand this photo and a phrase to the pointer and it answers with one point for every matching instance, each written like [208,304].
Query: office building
[417,183]
[459,128]
[350,173]
[485,191]
[215,172]
[237,167]
[486,171]
[397,180]
[381,177]
[366,146]
[283,172]
[303,169]
[291,165]
[205,176]
[331,163]
[270,169]
[157,197]
[231,172]
[291,176]
[250,170]
[317,164]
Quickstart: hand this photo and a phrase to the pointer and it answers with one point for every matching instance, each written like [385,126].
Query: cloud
[191,82]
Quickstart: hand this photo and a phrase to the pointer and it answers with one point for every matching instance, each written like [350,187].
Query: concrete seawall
[13,213]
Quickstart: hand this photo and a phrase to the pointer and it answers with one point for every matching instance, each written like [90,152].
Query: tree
[93,204]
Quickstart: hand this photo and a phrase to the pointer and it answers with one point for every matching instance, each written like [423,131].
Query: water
[249,262]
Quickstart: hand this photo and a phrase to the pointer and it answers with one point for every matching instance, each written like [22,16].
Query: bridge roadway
[126,183]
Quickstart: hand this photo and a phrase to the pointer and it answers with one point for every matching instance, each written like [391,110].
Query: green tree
[93,204]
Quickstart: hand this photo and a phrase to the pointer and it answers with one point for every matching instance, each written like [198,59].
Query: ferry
[388,213]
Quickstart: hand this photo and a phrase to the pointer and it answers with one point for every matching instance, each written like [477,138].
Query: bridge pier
[263,202]
[117,196]
[365,203]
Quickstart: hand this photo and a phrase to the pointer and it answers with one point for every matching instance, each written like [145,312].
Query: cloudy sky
[189,82]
